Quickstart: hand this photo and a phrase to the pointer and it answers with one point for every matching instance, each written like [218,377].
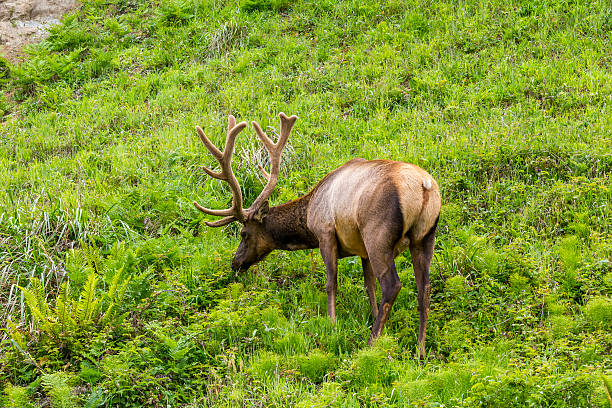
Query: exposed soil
[26,21]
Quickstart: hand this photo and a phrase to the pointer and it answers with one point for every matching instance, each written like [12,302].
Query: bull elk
[373,209]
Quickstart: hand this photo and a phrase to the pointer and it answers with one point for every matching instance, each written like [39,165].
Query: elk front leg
[383,266]
[329,253]
[370,285]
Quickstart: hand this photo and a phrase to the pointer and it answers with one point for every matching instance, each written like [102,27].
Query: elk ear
[261,212]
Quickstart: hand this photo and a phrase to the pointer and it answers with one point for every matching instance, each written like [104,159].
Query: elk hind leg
[370,285]
[390,284]
[422,254]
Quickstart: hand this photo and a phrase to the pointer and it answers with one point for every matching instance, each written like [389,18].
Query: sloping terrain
[114,292]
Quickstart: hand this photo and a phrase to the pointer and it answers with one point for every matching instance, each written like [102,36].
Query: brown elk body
[374,209]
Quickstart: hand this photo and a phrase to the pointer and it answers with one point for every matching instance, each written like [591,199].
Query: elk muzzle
[239,265]
[247,255]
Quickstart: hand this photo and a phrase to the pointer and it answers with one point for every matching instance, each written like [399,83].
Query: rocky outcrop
[25,21]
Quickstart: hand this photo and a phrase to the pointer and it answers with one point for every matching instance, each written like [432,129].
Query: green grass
[507,104]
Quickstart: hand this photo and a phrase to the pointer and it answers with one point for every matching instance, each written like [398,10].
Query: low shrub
[598,312]
[316,365]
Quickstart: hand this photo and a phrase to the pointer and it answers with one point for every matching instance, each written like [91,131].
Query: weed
[16,397]
[598,311]
[266,365]
[316,365]
[261,5]
[330,395]
[60,392]
[372,365]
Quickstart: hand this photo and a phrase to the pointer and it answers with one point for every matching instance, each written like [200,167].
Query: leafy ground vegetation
[114,293]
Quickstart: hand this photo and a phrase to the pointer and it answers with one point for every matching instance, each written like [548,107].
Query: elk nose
[236,266]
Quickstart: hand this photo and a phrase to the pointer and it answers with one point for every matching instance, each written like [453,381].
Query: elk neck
[287,224]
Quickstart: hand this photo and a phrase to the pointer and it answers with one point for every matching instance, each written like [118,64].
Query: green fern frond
[38,290]
[54,380]
[96,398]
[64,309]
[32,302]
[91,255]
[16,334]
[19,342]
[122,289]
[108,315]
[60,392]
[37,304]
[119,320]
[166,340]
[112,289]
[88,304]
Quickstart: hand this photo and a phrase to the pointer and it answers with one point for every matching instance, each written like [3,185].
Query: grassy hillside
[115,293]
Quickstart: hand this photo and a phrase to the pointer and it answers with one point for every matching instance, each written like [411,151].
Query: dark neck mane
[287,223]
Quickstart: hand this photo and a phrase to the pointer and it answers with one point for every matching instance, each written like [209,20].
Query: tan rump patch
[427,184]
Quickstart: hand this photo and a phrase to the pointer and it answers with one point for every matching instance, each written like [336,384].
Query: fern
[71,319]
[115,295]
[37,304]
[16,334]
[60,392]
[112,289]
[108,315]
[39,291]
[20,343]
[16,397]
[63,309]
[91,255]
[122,289]
[96,398]
[88,305]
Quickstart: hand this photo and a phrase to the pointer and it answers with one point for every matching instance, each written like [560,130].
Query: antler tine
[286,126]
[209,145]
[235,212]
[231,139]
[263,171]
[221,222]
[231,122]
[268,143]
[274,150]
[220,213]
[212,174]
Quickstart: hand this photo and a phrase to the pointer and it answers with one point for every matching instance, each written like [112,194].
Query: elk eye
[243,234]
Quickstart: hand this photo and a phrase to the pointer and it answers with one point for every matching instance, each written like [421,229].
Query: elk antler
[263,171]
[235,212]
[275,151]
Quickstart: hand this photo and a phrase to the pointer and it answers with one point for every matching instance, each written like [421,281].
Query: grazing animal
[373,209]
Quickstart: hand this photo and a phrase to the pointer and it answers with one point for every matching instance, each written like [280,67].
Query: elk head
[256,240]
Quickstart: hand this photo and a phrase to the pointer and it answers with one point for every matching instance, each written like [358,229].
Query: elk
[373,209]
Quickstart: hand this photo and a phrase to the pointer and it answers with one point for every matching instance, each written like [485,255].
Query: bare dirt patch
[26,21]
